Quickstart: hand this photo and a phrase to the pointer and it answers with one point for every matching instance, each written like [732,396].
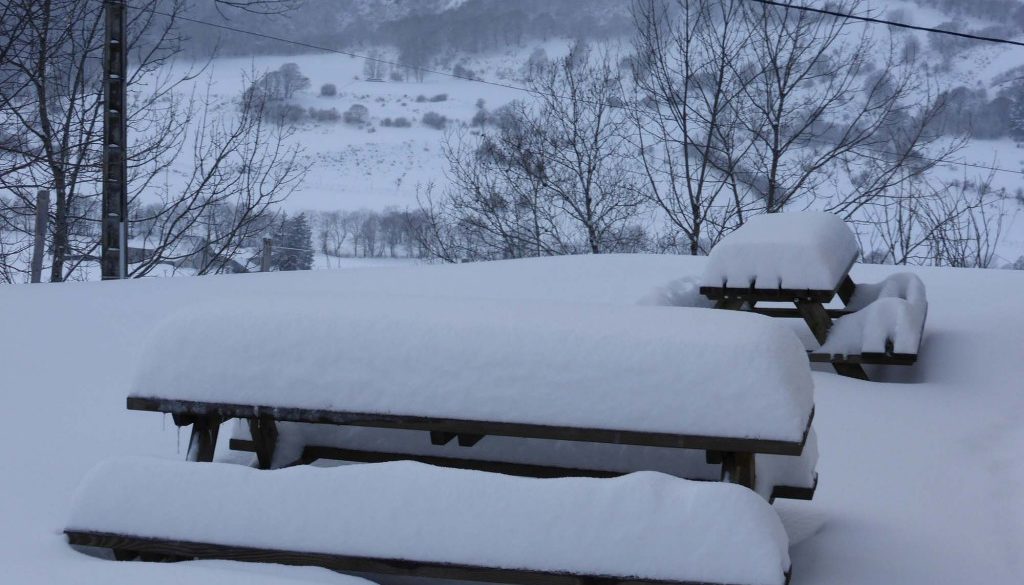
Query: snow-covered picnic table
[804,259]
[641,376]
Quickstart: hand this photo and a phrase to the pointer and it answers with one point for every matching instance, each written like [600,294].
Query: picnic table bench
[778,476]
[804,259]
[466,369]
[407,518]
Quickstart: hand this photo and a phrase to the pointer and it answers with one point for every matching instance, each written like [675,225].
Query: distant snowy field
[921,479]
[375,167]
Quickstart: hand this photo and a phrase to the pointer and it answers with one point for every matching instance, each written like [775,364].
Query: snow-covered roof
[806,250]
[646,369]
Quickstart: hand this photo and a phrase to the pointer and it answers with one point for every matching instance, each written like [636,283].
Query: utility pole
[39,246]
[114,230]
[268,254]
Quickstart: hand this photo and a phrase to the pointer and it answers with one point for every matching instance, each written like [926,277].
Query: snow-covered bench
[778,476]
[412,519]
[730,384]
[805,259]
[885,324]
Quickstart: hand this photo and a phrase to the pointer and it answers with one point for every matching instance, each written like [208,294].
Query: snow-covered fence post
[39,247]
[268,245]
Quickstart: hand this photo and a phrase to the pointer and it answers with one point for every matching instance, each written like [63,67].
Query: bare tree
[744,108]
[689,90]
[553,178]
[52,99]
[241,169]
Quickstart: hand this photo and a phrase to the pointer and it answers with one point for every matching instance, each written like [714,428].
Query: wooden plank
[879,359]
[782,295]
[458,426]
[314,452]
[794,313]
[467,440]
[794,493]
[772,295]
[185,550]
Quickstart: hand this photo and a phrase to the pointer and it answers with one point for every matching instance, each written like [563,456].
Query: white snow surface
[894,309]
[646,525]
[921,479]
[805,250]
[652,369]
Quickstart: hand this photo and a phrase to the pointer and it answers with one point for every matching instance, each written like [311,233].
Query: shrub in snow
[480,118]
[421,99]
[441,97]
[434,120]
[396,75]
[463,72]
[283,113]
[326,115]
[402,122]
[480,103]
[357,114]
[328,90]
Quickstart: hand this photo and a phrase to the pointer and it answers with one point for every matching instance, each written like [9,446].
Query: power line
[591,102]
[892,23]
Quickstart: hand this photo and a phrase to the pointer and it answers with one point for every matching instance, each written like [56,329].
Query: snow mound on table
[902,285]
[892,310]
[645,525]
[682,292]
[807,250]
[646,369]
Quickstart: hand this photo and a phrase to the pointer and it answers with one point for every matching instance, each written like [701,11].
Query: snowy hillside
[378,165]
[920,476]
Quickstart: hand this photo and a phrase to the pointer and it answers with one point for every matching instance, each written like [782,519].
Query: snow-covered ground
[921,480]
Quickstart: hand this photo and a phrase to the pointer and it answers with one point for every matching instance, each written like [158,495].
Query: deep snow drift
[921,480]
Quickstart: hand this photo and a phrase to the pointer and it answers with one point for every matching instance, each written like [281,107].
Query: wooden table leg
[731,304]
[816,317]
[264,439]
[204,438]
[846,290]
[739,468]
[851,370]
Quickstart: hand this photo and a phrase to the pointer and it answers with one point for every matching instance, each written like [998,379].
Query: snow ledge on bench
[794,251]
[893,310]
[644,525]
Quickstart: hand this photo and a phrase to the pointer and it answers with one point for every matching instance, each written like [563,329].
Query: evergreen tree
[293,244]
[1017,111]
